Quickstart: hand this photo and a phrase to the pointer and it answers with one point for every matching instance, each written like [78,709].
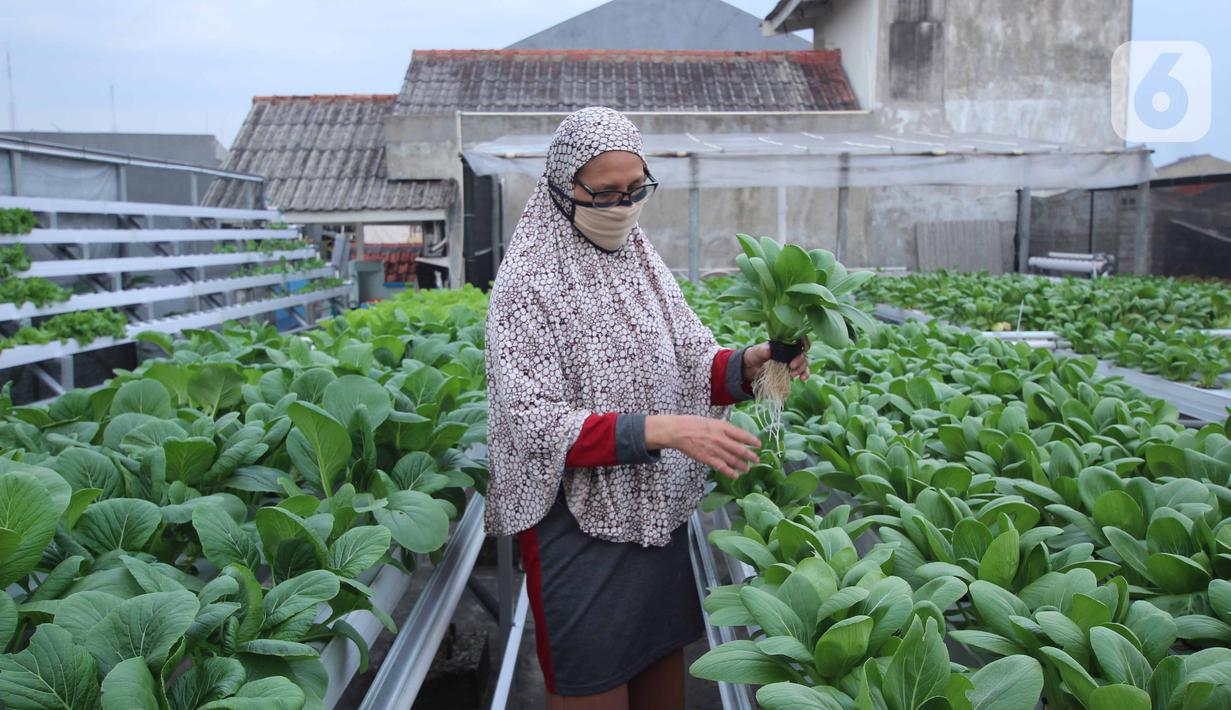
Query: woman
[607,397]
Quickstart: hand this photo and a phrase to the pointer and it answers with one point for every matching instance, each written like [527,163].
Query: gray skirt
[605,611]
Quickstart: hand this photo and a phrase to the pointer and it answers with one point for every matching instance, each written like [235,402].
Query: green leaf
[8,619]
[773,615]
[919,668]
[1156,629]
[739,662]
[223,541]
[1118,509]
[1175,574]
[86,468]
[843,646]
[1012,683]
[147,625]
[290,546]
[1119,697]
[29,515]
[142,397]
[344,396]
[130,686]
[118,524]
[297,594]
[999,563]
[187,459]
[1201,627]
[792,696]
[273,693]
[279,648]
[1078,680]
[52,672]
[81,612]
[206,681]
[1120,660]
[792,266]
[358,549]
[417,522]
[319,445]
[216,387]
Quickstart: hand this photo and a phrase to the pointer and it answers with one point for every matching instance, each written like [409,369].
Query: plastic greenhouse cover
[854,159]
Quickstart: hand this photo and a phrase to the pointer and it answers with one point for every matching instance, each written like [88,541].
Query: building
[653,24]
[1036,70]
[323,158]
[454,99]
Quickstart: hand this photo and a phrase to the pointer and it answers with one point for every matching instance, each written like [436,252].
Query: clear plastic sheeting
[51,176]
[832,160]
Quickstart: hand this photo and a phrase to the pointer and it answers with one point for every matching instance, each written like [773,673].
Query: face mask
[606,228]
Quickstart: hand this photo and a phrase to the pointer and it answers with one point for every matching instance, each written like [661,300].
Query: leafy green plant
[792,292]
[13,260]
[17,221]
[35,290]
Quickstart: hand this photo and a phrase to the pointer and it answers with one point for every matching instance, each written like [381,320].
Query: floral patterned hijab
[573,331]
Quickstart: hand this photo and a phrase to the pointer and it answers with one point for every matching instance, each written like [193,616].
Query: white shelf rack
[165,251]
[130,264]
[28,354]
[143,236]
[155,294]
[56,205]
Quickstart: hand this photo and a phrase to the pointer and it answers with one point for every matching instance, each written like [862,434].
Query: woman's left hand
[756,356]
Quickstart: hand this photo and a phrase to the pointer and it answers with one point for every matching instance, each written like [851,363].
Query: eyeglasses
[603,199]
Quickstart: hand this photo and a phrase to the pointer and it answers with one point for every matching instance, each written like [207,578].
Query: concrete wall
[1037,69]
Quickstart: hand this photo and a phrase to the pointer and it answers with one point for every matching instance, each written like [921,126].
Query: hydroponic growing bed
[191,534]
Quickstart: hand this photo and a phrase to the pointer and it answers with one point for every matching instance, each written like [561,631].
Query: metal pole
[1023,229]
[192,189]
[121,183]
[694,223]
[15,170]
[504,585]
[782,235]
[844,170]
[1141,256]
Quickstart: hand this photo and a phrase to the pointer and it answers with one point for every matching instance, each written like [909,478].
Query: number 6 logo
[1161,91]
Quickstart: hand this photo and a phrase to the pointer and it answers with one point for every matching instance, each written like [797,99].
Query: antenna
[113,128]
[8,58]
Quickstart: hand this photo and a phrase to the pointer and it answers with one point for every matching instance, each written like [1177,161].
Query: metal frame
[29,354]
[130,236]
[402,672]
[155,294]
[56,205]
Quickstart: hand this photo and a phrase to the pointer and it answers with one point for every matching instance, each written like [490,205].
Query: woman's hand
[720,445]
[756,356]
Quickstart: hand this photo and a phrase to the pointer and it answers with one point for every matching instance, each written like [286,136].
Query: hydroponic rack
[214,300]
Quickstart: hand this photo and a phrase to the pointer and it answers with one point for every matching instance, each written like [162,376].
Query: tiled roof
[322,153]
[443,81]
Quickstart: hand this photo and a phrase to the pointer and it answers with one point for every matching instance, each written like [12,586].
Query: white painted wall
[853,28]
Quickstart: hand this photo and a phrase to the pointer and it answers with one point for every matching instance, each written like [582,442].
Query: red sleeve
[718,379]
[595,445]
[719,396]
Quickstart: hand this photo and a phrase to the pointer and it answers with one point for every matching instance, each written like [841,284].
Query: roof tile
[443,81]
[322,153]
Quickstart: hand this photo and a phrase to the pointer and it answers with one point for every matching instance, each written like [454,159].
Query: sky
[193,66]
